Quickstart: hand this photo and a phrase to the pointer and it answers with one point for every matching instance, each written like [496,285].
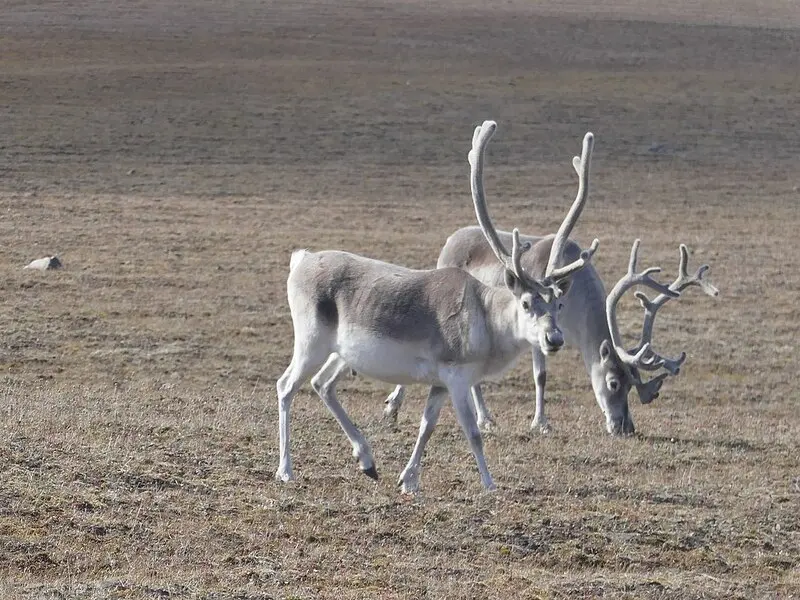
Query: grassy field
[174,153]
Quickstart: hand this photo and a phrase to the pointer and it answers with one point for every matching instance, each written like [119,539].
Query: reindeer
[440,327]
[588,320]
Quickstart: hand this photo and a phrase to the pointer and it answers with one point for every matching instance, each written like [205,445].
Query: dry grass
[174,154]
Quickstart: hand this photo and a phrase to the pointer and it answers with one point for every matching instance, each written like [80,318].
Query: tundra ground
[173,155]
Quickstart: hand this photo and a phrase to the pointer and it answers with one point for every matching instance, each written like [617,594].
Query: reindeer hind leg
[324,383]
[409,478]
[306,359]
[393,403]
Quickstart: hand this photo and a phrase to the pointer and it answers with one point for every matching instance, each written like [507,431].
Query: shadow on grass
[698,443]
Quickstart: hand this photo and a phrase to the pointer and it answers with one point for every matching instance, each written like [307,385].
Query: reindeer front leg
[540,421]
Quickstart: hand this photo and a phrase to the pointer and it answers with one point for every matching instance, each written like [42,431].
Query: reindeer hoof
[372,472]
[542,426]
[284,475]
[487,426]
[408,483]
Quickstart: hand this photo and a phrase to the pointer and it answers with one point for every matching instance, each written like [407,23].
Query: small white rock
[45,264]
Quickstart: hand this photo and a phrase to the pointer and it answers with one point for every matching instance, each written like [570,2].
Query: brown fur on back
[430,306]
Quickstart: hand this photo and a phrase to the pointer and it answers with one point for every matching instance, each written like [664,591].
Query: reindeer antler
[648,391]
[651,307]
[581,165]
[642,357]
[512,261]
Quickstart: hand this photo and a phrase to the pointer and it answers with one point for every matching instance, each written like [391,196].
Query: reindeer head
[620,368]
[536,294]
[611,385]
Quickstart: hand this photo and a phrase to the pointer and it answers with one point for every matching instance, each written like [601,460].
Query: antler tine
[683,281]
[589,253]
[511,261]
[576,265]
[641,358]
[564,231]
[648,391]
[477,134]
[653,361]
[697,278]
[517,249]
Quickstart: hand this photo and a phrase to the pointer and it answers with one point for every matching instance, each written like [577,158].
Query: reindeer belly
[389,360]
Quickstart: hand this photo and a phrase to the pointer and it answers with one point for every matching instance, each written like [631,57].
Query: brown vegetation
[173,154]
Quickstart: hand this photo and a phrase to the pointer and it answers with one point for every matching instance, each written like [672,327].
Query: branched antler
[651,307]
[642,357]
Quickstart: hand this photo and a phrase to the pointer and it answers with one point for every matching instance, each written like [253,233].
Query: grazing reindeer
[441,327]
[588,320]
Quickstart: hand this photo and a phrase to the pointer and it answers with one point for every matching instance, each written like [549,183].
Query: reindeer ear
[605,351]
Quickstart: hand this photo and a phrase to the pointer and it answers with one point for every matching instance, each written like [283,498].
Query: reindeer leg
[409,478]
[324,383]
[302,365]
[466,418]
[393,403]
[485,420]
[540,421]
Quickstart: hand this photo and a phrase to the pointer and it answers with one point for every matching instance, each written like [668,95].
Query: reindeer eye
[526,305]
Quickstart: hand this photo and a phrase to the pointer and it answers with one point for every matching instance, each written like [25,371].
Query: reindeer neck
[583,318]
[507,339]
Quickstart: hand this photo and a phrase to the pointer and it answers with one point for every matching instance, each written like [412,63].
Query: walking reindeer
[440,327]
[589,322]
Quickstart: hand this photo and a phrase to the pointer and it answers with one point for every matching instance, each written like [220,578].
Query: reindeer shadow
[742,445]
